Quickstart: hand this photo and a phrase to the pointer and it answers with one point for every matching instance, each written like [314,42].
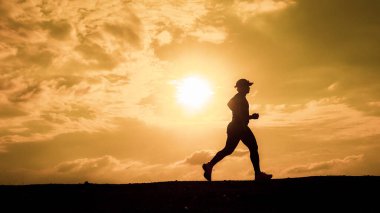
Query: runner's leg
[250,141]
[231,143]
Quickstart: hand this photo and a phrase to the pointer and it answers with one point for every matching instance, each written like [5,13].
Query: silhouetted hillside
[309,194]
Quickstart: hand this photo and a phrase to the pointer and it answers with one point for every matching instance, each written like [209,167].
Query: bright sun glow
[193,92]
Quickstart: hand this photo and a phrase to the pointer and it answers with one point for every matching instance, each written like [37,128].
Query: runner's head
[243,85]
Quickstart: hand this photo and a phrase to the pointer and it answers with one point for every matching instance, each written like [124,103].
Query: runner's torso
[240,109]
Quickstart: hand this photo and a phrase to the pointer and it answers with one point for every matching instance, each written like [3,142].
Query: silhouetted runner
[238,130]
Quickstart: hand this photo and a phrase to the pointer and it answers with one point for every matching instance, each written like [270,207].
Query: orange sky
[89,89]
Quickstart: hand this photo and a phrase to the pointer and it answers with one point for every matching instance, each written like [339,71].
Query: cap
[243,82]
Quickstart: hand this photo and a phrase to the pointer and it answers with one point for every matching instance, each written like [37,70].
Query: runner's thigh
[249,139]
[231,143]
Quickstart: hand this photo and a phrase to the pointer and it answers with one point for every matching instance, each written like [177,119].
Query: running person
[238,130]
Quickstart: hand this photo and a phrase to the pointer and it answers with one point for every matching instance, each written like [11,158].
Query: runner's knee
[227,151]
[253,148]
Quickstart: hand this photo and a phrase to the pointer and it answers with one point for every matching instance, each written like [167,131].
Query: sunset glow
[193,92]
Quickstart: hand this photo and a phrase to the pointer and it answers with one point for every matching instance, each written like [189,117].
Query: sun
[193,92]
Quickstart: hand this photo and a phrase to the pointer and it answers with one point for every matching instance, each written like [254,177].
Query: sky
[93,90]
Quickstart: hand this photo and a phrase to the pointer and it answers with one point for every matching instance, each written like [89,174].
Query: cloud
[85,55]
[324,167]
[199,157]
[177,21]
[204,156]
[104,169]
[58,29]
[321,117]
[333,86]
[55,103]
[9,111]
[210,34]
[374,103]
[247,9]
[108,169]
[57,32]
[85,165]
[164,37]
[181,14]
[61,61]
[6,51]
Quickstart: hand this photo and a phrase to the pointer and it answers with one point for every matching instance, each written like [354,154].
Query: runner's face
[244,89]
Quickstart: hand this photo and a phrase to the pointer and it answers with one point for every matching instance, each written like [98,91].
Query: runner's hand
[255,116]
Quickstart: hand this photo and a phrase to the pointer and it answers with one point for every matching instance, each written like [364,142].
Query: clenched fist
[255,116]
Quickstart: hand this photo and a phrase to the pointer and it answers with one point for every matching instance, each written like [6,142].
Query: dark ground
[309,194]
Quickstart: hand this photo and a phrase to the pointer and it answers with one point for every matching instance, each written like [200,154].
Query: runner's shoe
[262,176]
[208,169]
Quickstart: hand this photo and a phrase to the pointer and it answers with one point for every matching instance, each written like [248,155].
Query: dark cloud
[36,127]
[66,81]
[58,29]
[82,167]
[35,55]
[30,129]
[125,32]
[74,112]
[96,55]
[9,111]
[25,94]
